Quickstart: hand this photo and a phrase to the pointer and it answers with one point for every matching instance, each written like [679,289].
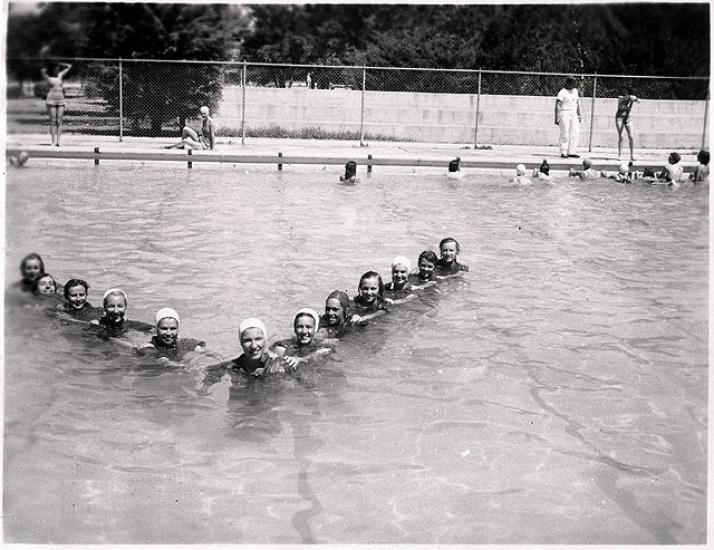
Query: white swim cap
[402,260]
[307,311]
[167,312]
[114,291]
[624,168]
[521,169]
[252,323]
[204,110]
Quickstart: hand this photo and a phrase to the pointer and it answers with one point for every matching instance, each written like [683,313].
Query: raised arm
[64,71]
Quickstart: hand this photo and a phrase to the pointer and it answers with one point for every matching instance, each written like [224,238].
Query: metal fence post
[478,109]
[361,111]
[121,101]
[592,113]
[706,120]
[242,114]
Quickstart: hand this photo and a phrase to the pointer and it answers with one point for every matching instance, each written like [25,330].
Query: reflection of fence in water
[145,97]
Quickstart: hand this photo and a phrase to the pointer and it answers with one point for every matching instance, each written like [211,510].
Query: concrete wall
[450,118]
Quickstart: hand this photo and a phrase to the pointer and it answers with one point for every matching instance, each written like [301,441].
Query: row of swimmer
[314,335]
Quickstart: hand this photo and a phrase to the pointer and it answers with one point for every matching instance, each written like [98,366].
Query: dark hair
[350,169]
[36,286]
[570,83]
[74,282]
[674,155]
[450,239]
[703,156]
[369,275]
[429,256]
[544,167]
[32,256]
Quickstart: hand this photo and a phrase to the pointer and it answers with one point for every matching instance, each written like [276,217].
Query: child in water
[350,173]
[369,302]
[303,347]
[587,173]
[424,275]
[543,172]
[447,265]
[113,322]
[672,173]
[399,290]
[701,173]
[333,323]
[76,304]
[621,176]
[31,267]
[166,342]
[520,178]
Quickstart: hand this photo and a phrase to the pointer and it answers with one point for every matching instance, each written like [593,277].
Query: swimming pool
[556,394]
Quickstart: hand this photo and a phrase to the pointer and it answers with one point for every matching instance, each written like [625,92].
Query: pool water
[555,394]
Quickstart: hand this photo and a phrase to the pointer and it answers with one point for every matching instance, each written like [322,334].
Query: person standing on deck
[568,117]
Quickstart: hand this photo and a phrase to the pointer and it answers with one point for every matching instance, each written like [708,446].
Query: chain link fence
[476,107]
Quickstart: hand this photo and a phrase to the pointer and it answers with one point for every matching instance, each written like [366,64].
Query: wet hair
[350,169]
[369,275]
[674,156]
[448,240]
[32,256]
[545,167]
[570,83]
[587,163]
[429,256]
[36,282]
[72,283]
[341,297]
[703,156]
[454,165]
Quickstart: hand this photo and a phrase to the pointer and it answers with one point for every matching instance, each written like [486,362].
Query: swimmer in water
[369,302]
[76,304]
[303,347]
[701,172]
[520,178]
[350,173]
[673,172]
[113,321]
[447,265]
[333,323]
[45,285]
[166,342]
[543,172]
[587,173]
[424,275]
[31,267]
[193,140]
[398,290]
[454,165]
[254,362]
[621,176]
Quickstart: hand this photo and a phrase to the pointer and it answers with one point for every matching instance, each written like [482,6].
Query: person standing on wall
[55,100]
[568,117]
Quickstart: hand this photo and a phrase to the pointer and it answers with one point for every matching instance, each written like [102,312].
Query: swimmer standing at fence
[55,100]
[193,140]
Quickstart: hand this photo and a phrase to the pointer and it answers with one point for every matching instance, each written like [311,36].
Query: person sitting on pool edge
[587,173]
[350,173]
[189,138]
[303,347]
[166,342]
[447,265]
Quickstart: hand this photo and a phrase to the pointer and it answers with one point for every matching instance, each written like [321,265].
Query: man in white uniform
[568,117]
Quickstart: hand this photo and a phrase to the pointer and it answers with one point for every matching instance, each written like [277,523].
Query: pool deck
[325,152]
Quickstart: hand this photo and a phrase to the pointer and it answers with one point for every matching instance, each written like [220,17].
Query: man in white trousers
[568,117]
